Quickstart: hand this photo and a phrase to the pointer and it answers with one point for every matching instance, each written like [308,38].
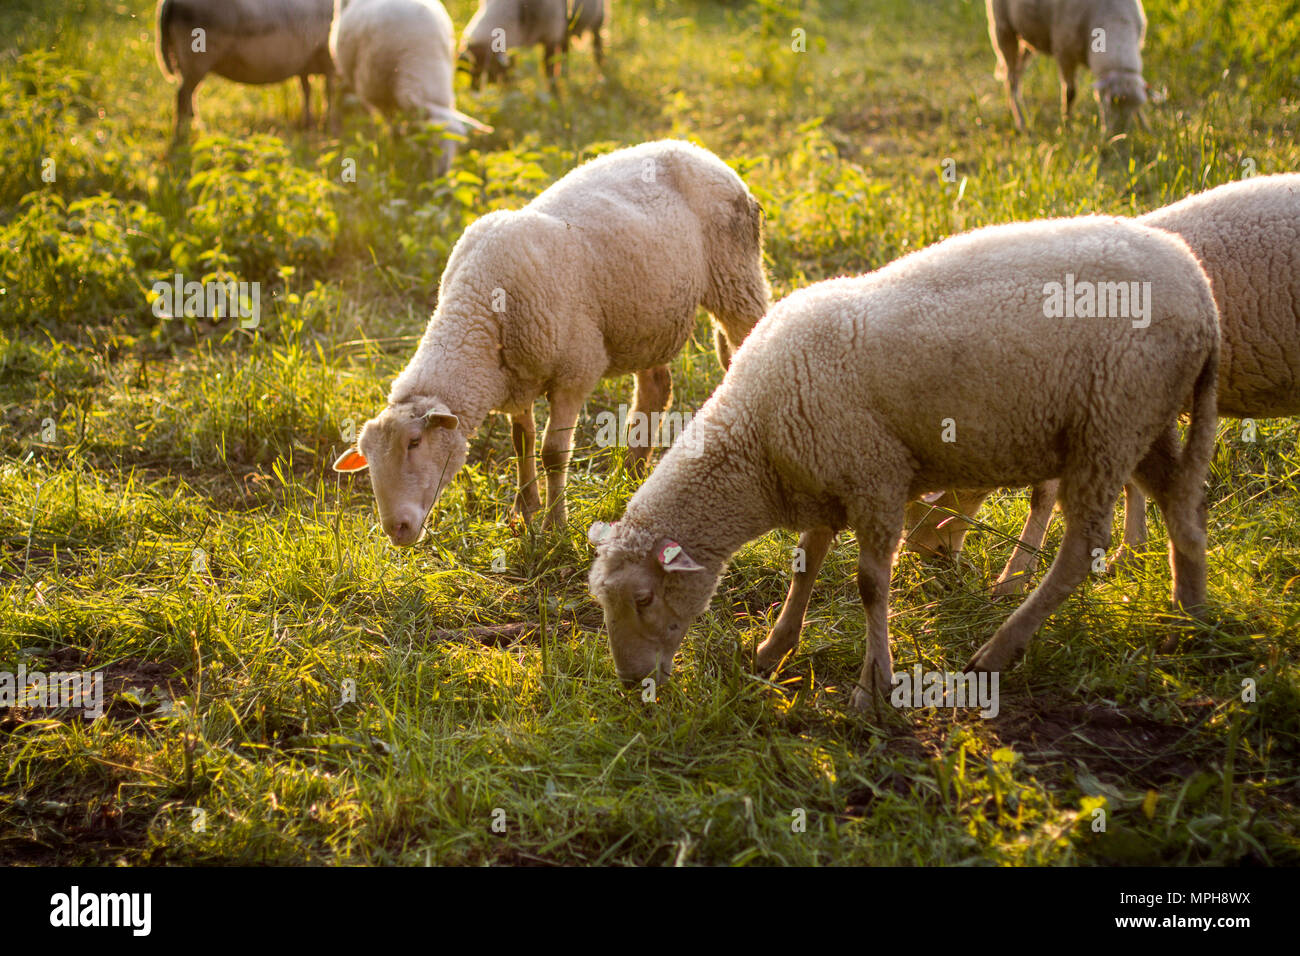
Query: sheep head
[477,58]
[413,449]
[650,590]
[1120,96]
[935,532]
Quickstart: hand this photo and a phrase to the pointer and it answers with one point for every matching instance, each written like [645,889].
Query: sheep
[599,276]
[501,25]
[399,55]
[1247,237]
[248,41]
[1107,35]
[836,410]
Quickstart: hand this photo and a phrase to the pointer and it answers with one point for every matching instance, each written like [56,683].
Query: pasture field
[169,517]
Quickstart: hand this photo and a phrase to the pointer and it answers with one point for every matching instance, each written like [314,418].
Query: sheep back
[602,273]
[850,378]
[1247,236]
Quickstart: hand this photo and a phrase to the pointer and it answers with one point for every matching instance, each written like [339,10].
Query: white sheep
[599,276]
[1247,236]
[399,56]
[839,407]
[248,41]
[1105,35]
[499,26]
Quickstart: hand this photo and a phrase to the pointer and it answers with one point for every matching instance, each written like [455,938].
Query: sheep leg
[1135,527]
[875,561]
[557,446]
[1185,520]
[1088,503]
[184,108]
[523,435]
[1007,43]
[598,50]
[1067,71]
[1024,559]
[305,82]
[333,103]
[784,637]
[550,67]
[446,156]
[654,393]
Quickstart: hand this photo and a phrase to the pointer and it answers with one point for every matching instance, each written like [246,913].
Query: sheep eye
[643,601]
[415,443]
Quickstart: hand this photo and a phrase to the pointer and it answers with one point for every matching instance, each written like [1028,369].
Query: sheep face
[479,58]
[936,535]
[649,602]
[1120,96]
[413,450]
[935,531]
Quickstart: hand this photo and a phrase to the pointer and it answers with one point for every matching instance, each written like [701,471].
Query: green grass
[181,528]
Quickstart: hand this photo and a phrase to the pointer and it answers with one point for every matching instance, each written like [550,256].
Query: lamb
[248,41]
[399,55]
[501,25]
[598,276]
[1247,236]
[1107,35]
[835,411]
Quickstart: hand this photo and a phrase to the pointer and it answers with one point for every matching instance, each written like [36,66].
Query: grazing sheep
[502,25]
[248,41]
[399,55]
[840,407]
[1247,237]
[1107,35]
[599,276]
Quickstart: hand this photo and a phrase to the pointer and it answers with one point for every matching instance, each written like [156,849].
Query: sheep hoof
[991,658]
[862,697]
[771,652]
[1010,587]
[524,509]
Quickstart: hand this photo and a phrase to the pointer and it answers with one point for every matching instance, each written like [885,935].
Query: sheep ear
[673,558]
[350,461]
[439,417]
[598,532]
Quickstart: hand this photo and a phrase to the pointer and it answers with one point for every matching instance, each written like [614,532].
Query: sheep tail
[167,60]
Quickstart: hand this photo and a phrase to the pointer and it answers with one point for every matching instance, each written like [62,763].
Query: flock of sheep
[1057,354]
[397,56]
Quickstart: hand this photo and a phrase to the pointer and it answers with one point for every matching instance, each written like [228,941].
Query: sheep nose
[401,533]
